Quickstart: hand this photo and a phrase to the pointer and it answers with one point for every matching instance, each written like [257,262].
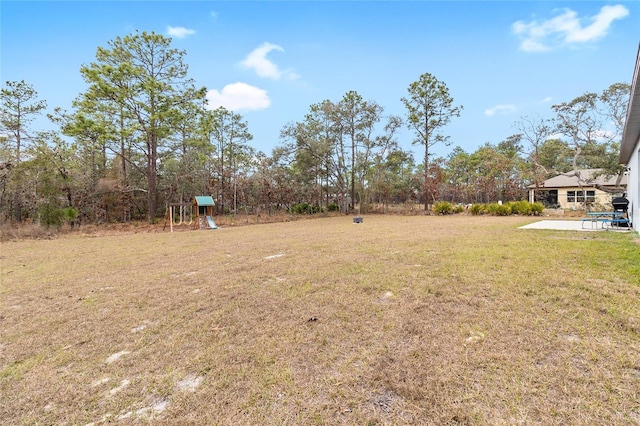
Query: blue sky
[271,60]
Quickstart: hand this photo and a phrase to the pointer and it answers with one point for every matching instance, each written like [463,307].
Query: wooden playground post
[181,213]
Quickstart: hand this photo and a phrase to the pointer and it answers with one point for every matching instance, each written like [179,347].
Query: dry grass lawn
[395,321]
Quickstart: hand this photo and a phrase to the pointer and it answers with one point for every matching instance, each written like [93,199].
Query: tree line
[141,137]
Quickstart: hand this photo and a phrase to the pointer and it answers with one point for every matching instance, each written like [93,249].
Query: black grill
[620,204]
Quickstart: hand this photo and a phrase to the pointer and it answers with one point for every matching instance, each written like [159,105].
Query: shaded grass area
[399,320]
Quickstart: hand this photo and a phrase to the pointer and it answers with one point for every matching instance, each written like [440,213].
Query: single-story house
[630,147]
[567,191]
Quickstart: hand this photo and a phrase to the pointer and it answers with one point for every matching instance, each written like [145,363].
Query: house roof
[571,180]
[631,133]
[204,200]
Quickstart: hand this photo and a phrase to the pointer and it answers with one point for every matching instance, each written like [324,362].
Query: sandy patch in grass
[146,413]
[190,383]
[274,256]
[142,326]
[100,382]
[123,384]
[116,356]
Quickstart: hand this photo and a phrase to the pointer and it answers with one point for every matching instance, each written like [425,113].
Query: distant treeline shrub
[305,208]
[523,208]
[53,216]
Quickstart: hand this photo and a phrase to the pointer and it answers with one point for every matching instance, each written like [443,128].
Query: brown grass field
[419,320]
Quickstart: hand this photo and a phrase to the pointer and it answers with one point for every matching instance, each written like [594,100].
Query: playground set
[198,214]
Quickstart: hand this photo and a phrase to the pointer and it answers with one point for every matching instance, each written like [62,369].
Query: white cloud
[546,100]
[556,136]
[179,32]
[502,109]
[566,29]
[238,96]
[600,25]
[257,60]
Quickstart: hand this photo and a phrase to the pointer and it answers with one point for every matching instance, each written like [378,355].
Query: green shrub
[69,214]
[304,208]
[520,207]
[537,208]
[478,209]
[496,209]
[524,208]
[299,208]
[333,207]
[443,207]
[50,215]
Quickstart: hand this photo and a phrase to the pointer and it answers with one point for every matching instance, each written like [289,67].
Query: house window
[590,196]
[581,196]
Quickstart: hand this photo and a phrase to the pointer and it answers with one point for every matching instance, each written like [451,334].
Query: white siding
[633,187]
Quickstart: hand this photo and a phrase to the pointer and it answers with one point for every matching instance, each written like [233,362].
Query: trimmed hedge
[523,208]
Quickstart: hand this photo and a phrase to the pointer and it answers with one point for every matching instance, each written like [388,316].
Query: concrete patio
[569,225]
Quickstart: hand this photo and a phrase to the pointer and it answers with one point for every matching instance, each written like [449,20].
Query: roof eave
[631,132]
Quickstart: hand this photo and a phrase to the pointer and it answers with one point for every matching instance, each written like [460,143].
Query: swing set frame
[170,216]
